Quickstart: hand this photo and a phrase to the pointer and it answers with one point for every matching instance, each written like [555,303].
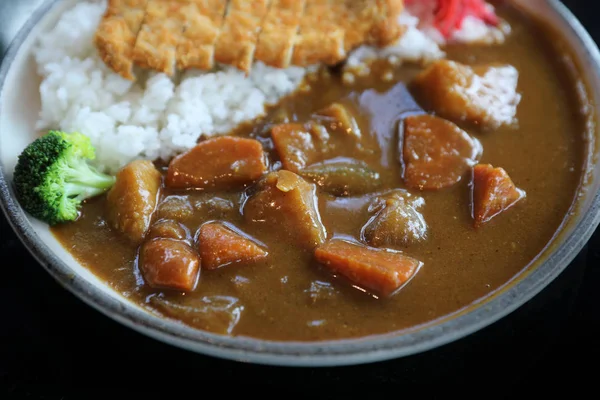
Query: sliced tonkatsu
[237,41]
[278,34]
[202,23]
[171,35]
[117,33]
[159,36]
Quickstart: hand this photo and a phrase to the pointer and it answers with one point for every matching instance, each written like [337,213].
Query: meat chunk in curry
[286,202]
[436,153]
[493,192]
[485,96]
[132,200]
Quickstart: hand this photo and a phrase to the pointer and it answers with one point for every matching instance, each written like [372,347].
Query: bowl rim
[307,354]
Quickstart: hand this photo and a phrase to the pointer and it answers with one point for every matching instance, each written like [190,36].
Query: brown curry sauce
[288,296]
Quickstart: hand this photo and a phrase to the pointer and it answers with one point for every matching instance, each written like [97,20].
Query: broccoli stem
[80,174]
[81,192]
[82,181]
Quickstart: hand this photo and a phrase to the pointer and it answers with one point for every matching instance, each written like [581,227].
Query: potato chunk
[294,145]
[381,272]
[132,200]
[485,96]
[219,246]
[169,264]
[286,202]
[493,193]
[219,163]
[437,153]
[342,119]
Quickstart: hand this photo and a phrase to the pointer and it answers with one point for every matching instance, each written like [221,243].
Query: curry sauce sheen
[288,296]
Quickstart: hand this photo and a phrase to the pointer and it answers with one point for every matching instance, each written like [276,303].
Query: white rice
[156,116]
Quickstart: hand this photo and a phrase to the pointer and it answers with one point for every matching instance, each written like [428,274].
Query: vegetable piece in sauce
[220,246]
[493,193]
[52,176]
[379,271]
[294,145]
[343,178]
[219,163]
[169,229]
[319,132]
[485,96]
[218,314]
[436,152]
[176,207]
[397,220]
[216,207]
[342,119]
[169,264]
[132,200]
[285,201]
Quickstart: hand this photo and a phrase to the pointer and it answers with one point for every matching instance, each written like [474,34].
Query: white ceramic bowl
[19,105]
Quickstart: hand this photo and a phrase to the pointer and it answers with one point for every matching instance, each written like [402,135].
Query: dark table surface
[54,346]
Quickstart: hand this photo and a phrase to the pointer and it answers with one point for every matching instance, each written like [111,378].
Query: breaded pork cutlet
[187,34]
[373,22]
[202,22]
[386,28]
[330,29]
[278,34]
[305,32]
[117,33]
[160,34]
[320,38]
[236,43]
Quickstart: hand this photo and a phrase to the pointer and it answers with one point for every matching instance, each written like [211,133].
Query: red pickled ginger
[450,14]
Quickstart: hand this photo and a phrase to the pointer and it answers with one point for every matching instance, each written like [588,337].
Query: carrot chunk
[220,246]
[221,163]
[436,152]
[169,264]
[492,192]
[294,145]
[380,271]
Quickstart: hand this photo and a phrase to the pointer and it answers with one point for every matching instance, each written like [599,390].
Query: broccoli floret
[52,176]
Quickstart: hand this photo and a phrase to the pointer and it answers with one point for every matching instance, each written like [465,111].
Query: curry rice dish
[348,210]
